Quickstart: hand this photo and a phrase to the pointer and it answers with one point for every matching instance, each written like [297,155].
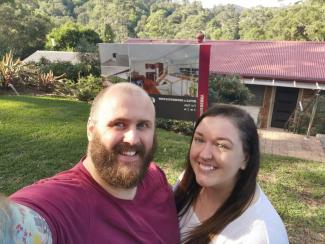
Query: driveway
[278,142]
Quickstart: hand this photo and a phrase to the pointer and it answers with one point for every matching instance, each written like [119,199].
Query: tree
[227,89]
[224,24]
[157,26]
[192,18]
[253,23]
[191,26]
[122,16]
[72,37]
[288,24]
[23,30]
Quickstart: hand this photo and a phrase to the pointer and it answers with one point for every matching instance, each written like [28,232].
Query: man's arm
[28,226]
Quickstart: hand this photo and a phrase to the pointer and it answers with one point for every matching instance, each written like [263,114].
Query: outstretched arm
[24,225]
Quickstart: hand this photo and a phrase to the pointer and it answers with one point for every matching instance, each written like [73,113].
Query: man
[114,194]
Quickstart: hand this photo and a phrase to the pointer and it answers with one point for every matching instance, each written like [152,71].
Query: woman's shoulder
[259,223]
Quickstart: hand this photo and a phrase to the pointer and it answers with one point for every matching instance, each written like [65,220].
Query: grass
[40,136]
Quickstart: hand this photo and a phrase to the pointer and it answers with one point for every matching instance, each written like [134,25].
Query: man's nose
[131,136]
[206,152]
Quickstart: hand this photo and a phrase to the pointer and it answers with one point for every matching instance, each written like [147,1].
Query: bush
[13,71]
[87,88]
[70,71]
[116,79]
[318,126]
[319,121]
[227,89]
[178,126]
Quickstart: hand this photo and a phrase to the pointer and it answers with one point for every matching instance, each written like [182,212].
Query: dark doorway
[284,104]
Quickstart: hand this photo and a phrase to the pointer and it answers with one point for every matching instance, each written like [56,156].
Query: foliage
[48,81]
[87,88]
[22,29]
[72,37]
[318,126]
[227,89]
[70,71]
[253,23]
[178,126]
[53,138]
[121,17]
[298,22]
[224,24]
[319,122]
[11,70]
[115,79]
[83,23]
[156,26]
[60,9]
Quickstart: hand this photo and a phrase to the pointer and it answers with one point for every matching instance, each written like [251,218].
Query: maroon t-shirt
[78,210]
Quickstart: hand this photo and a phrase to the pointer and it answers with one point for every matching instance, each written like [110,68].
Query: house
[54,56]
[281,74]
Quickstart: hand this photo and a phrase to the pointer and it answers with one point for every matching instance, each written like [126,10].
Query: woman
[6,224]
[218,200]
[19,224]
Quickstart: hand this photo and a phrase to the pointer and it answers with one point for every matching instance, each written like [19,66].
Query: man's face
[121,141]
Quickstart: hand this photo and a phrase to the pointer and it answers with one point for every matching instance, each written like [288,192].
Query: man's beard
[126,175]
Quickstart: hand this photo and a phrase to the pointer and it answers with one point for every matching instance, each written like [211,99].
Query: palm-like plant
[10,69]
[48,81]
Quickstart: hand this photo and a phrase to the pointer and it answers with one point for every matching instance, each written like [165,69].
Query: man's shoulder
[156,174]
[65,183]
[59,199]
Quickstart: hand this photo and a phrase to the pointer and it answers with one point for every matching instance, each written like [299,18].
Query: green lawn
[40,136]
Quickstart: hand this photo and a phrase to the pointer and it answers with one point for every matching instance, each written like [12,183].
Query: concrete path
[278,142]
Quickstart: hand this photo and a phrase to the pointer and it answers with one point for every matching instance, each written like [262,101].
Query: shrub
[48,82]
[227,89]
[10,70]
[70,71]
[178,126]
[318,126]
[116,79]
[87,88]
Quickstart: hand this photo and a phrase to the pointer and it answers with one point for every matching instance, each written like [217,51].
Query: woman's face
[216,153]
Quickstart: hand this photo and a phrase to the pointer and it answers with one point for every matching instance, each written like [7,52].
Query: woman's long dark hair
[243,192]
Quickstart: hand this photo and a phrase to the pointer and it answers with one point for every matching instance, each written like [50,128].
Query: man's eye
[198,140]
[119,125]
[143,125]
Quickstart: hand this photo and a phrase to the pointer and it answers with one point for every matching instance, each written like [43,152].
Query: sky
[248,3]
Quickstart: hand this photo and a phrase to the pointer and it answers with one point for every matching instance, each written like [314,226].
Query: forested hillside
[25,25]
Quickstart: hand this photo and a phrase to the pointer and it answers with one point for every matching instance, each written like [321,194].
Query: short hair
[244,190]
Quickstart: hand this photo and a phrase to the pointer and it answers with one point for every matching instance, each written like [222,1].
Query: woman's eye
[221,146]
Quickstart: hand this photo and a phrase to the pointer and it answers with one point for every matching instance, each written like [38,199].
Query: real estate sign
[174,75]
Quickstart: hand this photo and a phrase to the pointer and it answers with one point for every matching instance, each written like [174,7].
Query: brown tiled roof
[287,60]
[281,60]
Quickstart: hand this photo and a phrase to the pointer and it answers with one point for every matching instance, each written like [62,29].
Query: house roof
[54,56]
[282,60]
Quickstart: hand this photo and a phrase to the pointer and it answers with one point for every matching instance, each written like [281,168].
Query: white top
[259,224]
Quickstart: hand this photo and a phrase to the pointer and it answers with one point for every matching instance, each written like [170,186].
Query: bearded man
[115,194]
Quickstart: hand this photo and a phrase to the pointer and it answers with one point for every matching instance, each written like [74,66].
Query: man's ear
[90,129]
